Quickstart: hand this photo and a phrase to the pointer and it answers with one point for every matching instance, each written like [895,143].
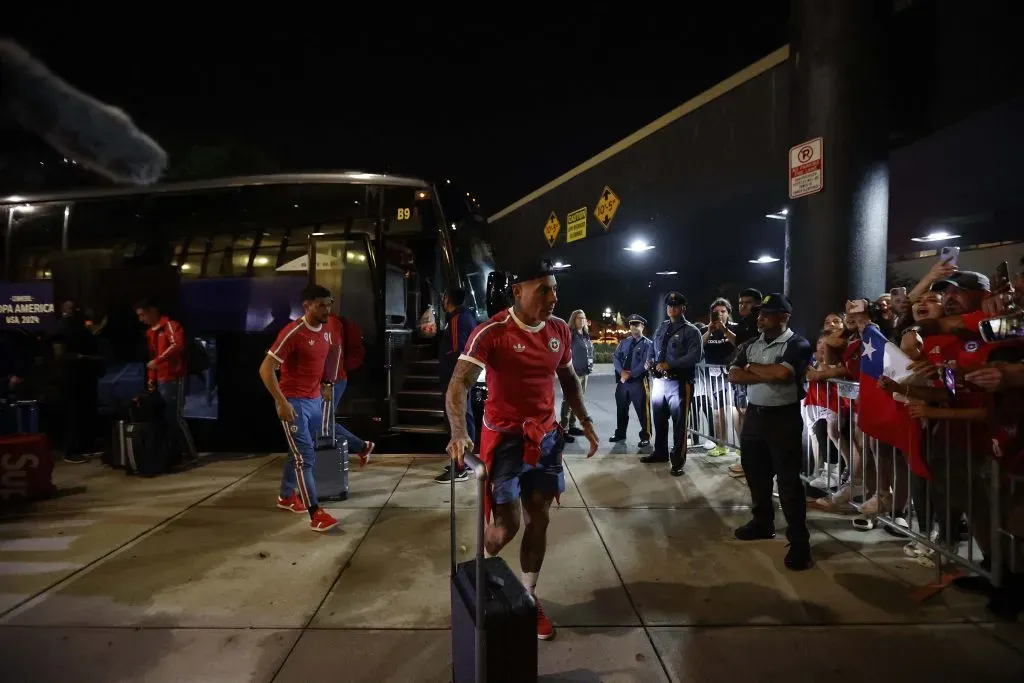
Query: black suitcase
[330,469]
[141,443]
[489,604]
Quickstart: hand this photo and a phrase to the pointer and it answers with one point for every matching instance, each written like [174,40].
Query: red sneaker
[364,457]
[322,521]
[545,628]
[292,503]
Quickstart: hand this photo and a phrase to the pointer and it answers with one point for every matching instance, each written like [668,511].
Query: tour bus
[228,258]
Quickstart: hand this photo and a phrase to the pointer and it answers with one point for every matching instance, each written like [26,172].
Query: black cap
[675,299]
[636,318]
[776,303]
[964,279]
[531,270]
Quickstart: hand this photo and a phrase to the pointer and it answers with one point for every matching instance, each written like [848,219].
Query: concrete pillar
[839,92]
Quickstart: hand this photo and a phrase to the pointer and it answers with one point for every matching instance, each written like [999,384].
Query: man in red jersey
[521,442]
[347,340]
[166,373]
[301,352]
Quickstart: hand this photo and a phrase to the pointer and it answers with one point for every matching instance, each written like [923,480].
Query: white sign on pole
[806,169]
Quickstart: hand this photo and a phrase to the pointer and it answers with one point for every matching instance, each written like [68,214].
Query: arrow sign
[551,229]
[606,207]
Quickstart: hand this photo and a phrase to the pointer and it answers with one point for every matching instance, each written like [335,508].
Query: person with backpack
[166,373]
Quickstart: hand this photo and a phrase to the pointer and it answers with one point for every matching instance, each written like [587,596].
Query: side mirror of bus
[498,298]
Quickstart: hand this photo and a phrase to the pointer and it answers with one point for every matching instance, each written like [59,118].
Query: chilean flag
[879,415]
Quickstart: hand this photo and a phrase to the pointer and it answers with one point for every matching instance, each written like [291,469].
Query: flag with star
[879,415]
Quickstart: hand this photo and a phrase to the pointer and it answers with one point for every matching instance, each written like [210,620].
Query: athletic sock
[530,581]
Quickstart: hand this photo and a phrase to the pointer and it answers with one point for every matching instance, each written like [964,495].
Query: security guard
[773,367]
[631,359]
[677,350]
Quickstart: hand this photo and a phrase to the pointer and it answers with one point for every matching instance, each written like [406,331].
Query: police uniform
[771,440]
[679,345]
[633,355]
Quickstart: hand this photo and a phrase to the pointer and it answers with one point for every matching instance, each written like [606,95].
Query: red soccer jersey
[301,349]
[166,341]
[521,363]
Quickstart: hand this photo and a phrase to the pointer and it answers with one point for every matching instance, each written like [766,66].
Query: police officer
[772,367]
[677,350]
[632,386]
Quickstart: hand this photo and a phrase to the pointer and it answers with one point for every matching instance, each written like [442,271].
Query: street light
[558,265]
[639,245]
[778,215]
[764,259]
[667,272]
[937,236]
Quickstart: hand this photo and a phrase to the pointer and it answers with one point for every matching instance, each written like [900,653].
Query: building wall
[687,188]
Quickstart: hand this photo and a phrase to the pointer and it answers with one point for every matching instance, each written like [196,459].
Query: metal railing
[963,508]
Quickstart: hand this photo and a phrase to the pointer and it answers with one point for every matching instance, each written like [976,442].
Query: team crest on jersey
[327,337]
[554,345]
[293,428]
[971,346]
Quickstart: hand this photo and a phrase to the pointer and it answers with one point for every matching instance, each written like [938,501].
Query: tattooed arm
[573,393]
[466,374]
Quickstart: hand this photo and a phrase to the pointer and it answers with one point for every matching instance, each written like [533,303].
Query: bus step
[422,382]
[421,416]
[419,429]
[420,398]
[424,367]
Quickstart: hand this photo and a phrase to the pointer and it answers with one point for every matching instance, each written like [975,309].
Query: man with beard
[521,443]
[301,353]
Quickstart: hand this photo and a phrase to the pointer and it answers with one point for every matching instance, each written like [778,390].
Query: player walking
[521,442]
[301,352]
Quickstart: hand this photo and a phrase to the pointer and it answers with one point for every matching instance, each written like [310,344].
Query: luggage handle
[480,473]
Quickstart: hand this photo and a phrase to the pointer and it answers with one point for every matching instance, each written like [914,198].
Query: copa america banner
[27,305]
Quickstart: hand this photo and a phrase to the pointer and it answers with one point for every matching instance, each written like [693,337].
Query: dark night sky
[502,105]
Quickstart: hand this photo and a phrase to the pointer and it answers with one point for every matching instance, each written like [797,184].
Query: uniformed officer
[773,366]
[677,350]
[632,386]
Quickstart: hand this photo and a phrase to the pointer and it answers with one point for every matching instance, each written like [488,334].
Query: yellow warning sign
[576,225]
[606,207]
[552,228]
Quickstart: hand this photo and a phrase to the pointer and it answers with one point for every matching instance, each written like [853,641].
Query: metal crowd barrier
[713,414]
[845,463]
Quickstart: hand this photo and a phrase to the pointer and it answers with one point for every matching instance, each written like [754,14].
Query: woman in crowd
[583,364]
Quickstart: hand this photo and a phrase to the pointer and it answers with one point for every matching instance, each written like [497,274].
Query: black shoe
[798,558]
[752,531]
[648,459]
[76,458]
[616,439]
[445,477]
[575,431]
[569,438]
[644,444]
[676,471]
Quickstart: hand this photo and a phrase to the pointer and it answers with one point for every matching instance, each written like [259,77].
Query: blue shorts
[510,477]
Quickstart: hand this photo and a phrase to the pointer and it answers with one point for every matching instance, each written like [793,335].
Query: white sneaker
[827,479]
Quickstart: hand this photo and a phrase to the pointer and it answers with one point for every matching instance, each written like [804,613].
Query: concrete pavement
[197,577]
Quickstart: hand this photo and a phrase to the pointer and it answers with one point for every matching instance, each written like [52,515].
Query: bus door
[345,264]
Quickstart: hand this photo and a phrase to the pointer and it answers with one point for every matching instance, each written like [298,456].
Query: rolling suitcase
[489,605]
[140,444]
[330,470]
